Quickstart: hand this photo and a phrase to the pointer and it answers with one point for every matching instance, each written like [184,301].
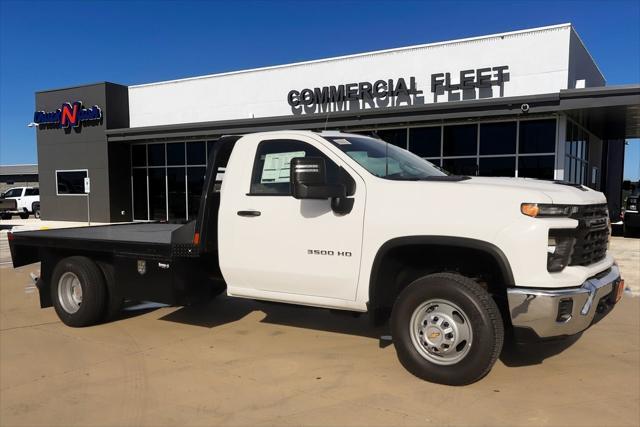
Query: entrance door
[274,243]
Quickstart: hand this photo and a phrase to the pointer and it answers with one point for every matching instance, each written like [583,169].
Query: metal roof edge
[78,86]
[629,89]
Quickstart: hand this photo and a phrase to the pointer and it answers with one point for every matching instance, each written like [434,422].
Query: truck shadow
[516,355]
[224,310]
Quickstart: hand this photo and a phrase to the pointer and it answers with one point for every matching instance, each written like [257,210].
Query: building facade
[529,103]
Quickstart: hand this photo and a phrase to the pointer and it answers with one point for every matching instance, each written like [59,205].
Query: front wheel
[447,329]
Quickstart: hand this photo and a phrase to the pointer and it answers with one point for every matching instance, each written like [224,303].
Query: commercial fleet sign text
[68,115]
[397,88]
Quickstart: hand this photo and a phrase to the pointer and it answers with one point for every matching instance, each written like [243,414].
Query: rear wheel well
[50,258]
[398,265]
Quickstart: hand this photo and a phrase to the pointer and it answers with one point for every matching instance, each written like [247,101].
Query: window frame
[250,193]
[57,171]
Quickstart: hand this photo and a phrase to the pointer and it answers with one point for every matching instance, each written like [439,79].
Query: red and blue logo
[69,115]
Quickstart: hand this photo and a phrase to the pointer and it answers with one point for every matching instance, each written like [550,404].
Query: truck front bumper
[554,313]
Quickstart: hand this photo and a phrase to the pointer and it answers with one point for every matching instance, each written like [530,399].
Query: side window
[271,165]
[14,192]
[32,192]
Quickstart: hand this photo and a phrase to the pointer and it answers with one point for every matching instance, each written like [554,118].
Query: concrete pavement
[240,362]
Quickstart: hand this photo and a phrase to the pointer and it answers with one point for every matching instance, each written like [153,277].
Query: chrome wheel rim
[441,332]
[70,292]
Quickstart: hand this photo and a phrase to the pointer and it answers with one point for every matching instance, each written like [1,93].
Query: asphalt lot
[241,362]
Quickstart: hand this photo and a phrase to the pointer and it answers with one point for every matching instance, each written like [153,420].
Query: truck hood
[559,193]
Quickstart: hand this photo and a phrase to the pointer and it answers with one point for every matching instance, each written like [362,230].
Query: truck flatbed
[137,238]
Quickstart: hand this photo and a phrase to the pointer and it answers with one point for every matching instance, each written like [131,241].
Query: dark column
[612,175]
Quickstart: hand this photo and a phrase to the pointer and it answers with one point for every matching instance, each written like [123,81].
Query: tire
[426,307]
[35,208]
[71,273]
[628,231]
[24,215]
[114,300]
[5,216]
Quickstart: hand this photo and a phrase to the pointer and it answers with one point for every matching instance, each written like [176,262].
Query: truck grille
[591,235]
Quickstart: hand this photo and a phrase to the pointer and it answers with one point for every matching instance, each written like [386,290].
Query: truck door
[272,243]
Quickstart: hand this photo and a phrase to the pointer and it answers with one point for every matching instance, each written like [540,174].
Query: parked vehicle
[26,199]
[631,218]
[348,222]
[7,206]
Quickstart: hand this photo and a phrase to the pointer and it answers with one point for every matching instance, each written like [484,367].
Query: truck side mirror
[1,195]
[308,177]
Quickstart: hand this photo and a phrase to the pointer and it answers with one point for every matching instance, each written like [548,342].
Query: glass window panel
[572,177]
[69,182]
[196,153]
[177,194]
[540,167]
[175,153]
[195,183]
[139,155]
[498,138]
[425,142]
[461,166]
[140,194]
[436,162]
[580,149]
[567,168]
[397,137]
[157,194]
[497,166]
[538,136]
[210,145]
[156,154]
[272,162]
[461,140]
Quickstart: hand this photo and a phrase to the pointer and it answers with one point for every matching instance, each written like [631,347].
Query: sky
[47,45]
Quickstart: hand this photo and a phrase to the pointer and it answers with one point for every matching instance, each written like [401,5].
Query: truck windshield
[385,160]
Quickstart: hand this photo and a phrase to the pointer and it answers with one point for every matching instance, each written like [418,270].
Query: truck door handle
[249,213]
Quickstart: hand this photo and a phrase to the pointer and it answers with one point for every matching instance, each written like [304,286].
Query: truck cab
[349,222]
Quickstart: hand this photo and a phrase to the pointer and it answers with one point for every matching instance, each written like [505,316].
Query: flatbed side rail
[25,249]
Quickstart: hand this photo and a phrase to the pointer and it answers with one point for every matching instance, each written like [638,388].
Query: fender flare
[449,241]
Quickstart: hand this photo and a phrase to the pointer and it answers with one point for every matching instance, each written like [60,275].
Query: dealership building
[529,103]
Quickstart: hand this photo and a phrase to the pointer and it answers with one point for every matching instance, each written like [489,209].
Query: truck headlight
[536,210]
[559,250]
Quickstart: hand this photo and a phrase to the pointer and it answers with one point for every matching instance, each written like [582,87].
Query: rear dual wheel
[447,329]
[79,292]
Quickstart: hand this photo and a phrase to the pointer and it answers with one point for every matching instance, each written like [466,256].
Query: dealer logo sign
[69,115]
